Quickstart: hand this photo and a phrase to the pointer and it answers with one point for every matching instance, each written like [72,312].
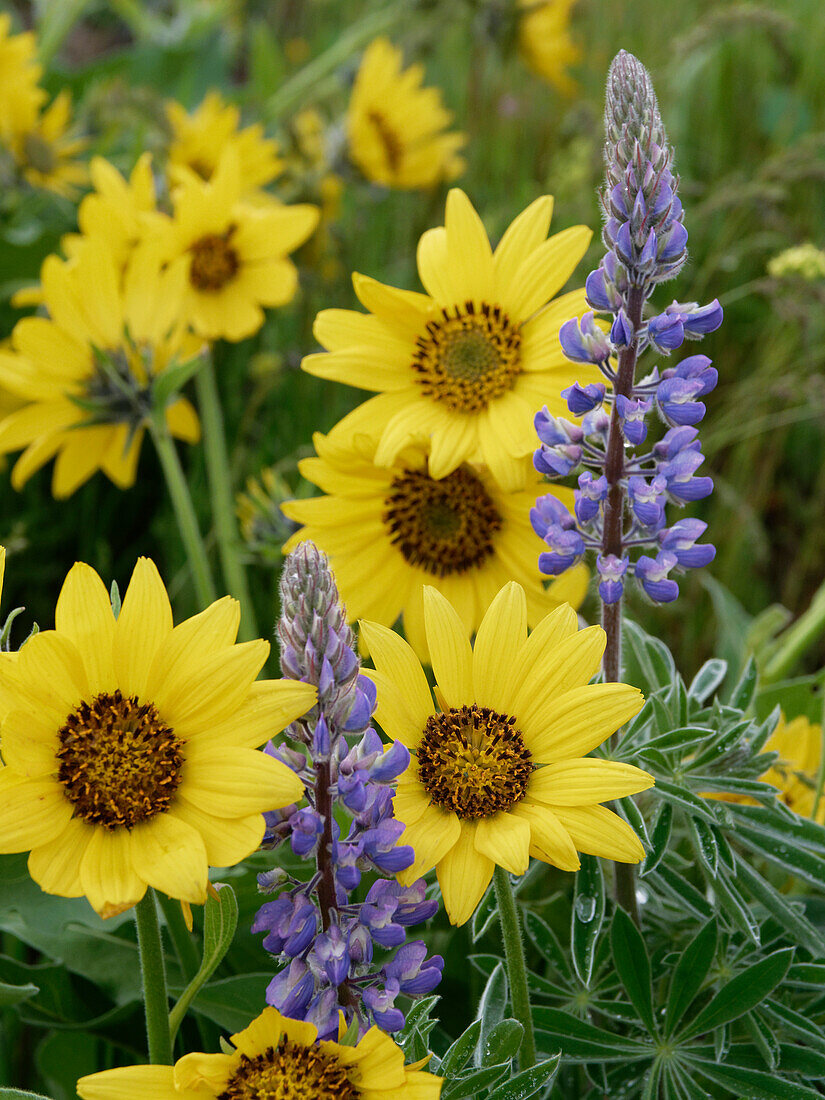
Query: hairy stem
[222,499]
[184,513]
[153,974]
[613,543]
[516,965]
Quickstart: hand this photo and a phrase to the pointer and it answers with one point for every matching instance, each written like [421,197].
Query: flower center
[444,526]
[214,261]
[473,760]
[388,138]
[40,154]
[467,360]
[119,763]
[290,1071]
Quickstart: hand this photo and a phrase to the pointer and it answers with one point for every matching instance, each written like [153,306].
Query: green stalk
[516,965]
[185,949]
[153,973]
[223,501]
[184,513]
[797,639]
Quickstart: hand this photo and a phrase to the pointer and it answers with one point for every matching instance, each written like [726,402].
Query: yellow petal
[144,624]
[129,1083]
[268,708]
[32,811]
[170,855]
[505,840]
[549,633]
[601,832]
[55,866]
[523,235]
[579,721]
[468,248]
[434,266]
[185,648]
[449,647]
[571,664]
[410,801]
[30,743]
[376,1061]
[227,840]
[391,711]
[586,782]
[84,615]
[549,840]
[501,635]
[109,880]
[395,660]
[545,271]
[214,691]
[463,875]
[238,782]
[432,836]
[50,665]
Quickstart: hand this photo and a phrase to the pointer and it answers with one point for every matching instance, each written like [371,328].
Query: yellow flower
[101,337]
[467,364]
[130,747]
[397,130]
[275,1057]
[45,152]
[390,531]
[200,138]
[119,211]
[799,744]
[235,253]
[545,43]
[499,771]
[20,96]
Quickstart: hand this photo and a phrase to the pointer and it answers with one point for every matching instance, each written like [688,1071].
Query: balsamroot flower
[129,745]
[464,364]
[45,151]
[500,772]
[545,43]
[460,533]
[275,1057]
[397,130]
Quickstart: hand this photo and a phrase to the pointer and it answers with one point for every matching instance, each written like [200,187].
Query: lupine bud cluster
[646,245]
[336,952]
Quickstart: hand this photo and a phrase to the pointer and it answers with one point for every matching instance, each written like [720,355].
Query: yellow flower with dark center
[129,745]
[45,153]
[545,43]
[200,138]
[389,531]
[235,253]
[20,95]
[86,370]
[397,130]
[499,770]
[275,1058]
[466,365]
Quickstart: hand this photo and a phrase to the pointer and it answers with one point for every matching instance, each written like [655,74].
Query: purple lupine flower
[652,574]
[332,955]
[557,461]
[381,1003]
[632,413]
[697,320]
[566,548]
[550,512]
[647,500]
[612,571]
[680,540]
[677,400]
[555,431]
[584,399]
[583,341]
[622,332]
[666,332]
[678,473]
[415,974]
[589,497]
[306,827]
[291,990]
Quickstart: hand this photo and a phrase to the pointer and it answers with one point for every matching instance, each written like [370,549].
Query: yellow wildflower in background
[101,335]
[130,746]
[21,97]
[389,531]
[235,253]
[499,771]
[275,1057]
[467,364]
[545,43]
[397,130]
[199,140]
[46,152]
[805,260]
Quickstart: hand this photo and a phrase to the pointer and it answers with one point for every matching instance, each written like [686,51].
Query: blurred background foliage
[742,90]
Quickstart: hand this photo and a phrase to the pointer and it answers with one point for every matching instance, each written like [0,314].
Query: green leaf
[171,382]
[685,738]
[779,906]
[752,1083]
[486,912]
[633,966]
[502,1043]
[659,837]
[764,1039]
[689,974]
[473,1082]
[528,1082]
[14,994]
[491,1009]
[19,1094]
[588,916]
[233,1002]
[707,679]
[584,1042]
[742,993]
[635,819]
[780,850]
[704,844]
[684,799]
[546,942]
[682,890]
[646,662]
[736,907]
[744,692]
[219,924]
[459,1053]
[780,825]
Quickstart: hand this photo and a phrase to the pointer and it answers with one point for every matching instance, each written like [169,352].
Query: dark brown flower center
[473,761]
[290,1071]
[214,261]
[119,763]
[390,141]
[466,359]
[444,526]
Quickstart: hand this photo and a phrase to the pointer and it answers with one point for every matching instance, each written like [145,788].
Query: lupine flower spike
[623,486]
[323,938]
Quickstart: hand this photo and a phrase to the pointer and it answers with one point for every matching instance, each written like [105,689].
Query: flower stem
[797,639]
[516,966]
[184,513]
[220,491]
[613,543]
[153,973]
